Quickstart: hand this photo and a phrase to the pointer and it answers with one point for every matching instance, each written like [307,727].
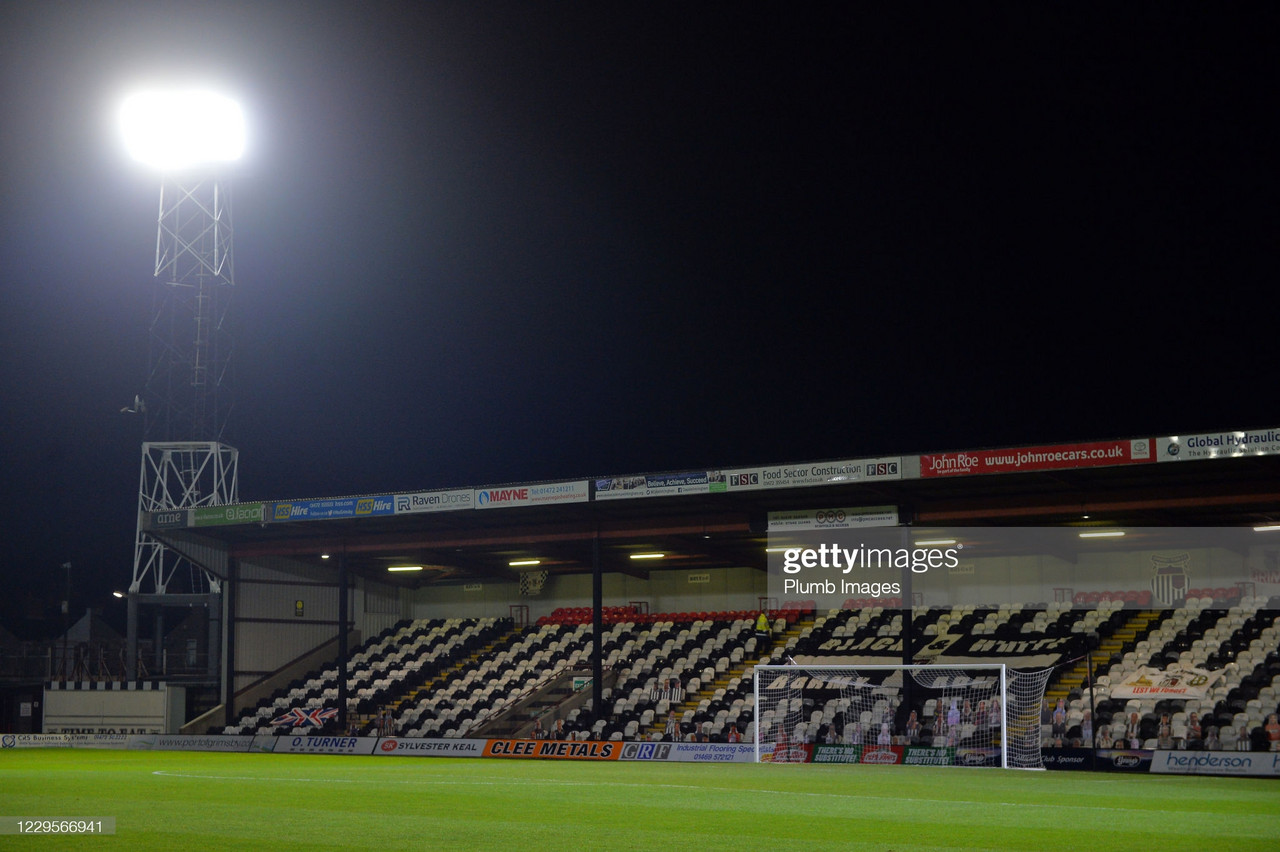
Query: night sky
[492,242]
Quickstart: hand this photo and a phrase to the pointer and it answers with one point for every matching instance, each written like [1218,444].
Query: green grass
[194,800]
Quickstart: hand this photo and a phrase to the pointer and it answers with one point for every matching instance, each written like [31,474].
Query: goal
[939,715]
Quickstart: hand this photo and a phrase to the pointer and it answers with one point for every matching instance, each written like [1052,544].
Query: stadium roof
[716,519]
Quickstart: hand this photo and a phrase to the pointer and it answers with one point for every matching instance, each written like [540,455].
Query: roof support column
[597,627]
[342,641]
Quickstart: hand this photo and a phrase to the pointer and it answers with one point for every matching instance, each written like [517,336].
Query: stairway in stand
[408,699]
[691,701]
[1077,677]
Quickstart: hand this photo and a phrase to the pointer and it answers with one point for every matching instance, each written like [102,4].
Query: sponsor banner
[333,507]
[169,519]
[794,753]
[882,755]
[435,501]
[661,485]
[1067,758]
[711,752]
[689,752]
[217,516]
[837,754]
[540,494]
[87,729]
[35,741]
[977,756]
[1125,760]
[1173,682]
[833,519]
[324,745]
[817,473]
[97,740]
[263,743]
[421,747]
[929,756]
[653,751]
[191,742]
[1023,459]
[554,749]
[1265,763]
[1219,445]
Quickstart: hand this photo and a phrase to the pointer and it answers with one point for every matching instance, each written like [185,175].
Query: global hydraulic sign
[336,507]
[1219,445]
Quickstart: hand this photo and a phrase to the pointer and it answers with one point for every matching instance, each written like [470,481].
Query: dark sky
[491,242]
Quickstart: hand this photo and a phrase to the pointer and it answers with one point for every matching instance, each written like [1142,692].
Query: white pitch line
[441,781]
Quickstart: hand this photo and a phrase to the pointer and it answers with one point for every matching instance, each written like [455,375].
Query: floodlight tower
[186,135]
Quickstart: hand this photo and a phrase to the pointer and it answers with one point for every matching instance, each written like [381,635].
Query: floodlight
[648,555]
[1104,534]
[521,563]
[177,129]
[404,568]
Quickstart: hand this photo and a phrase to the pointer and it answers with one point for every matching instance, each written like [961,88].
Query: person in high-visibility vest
[764,634]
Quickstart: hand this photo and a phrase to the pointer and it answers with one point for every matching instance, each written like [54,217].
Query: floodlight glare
[177,129]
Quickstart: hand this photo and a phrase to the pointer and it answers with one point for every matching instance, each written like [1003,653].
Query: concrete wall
[114,711]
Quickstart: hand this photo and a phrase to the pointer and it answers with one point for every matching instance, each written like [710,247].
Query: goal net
[970,715]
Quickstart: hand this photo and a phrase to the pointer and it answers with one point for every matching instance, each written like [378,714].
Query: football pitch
[198,800]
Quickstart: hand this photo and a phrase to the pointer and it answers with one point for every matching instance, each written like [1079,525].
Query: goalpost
[960,715]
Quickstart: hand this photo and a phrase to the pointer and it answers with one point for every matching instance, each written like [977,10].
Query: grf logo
[645,751]
[1170,578]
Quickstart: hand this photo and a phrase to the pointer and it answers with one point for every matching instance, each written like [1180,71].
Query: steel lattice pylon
[179,475]
[187,400]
